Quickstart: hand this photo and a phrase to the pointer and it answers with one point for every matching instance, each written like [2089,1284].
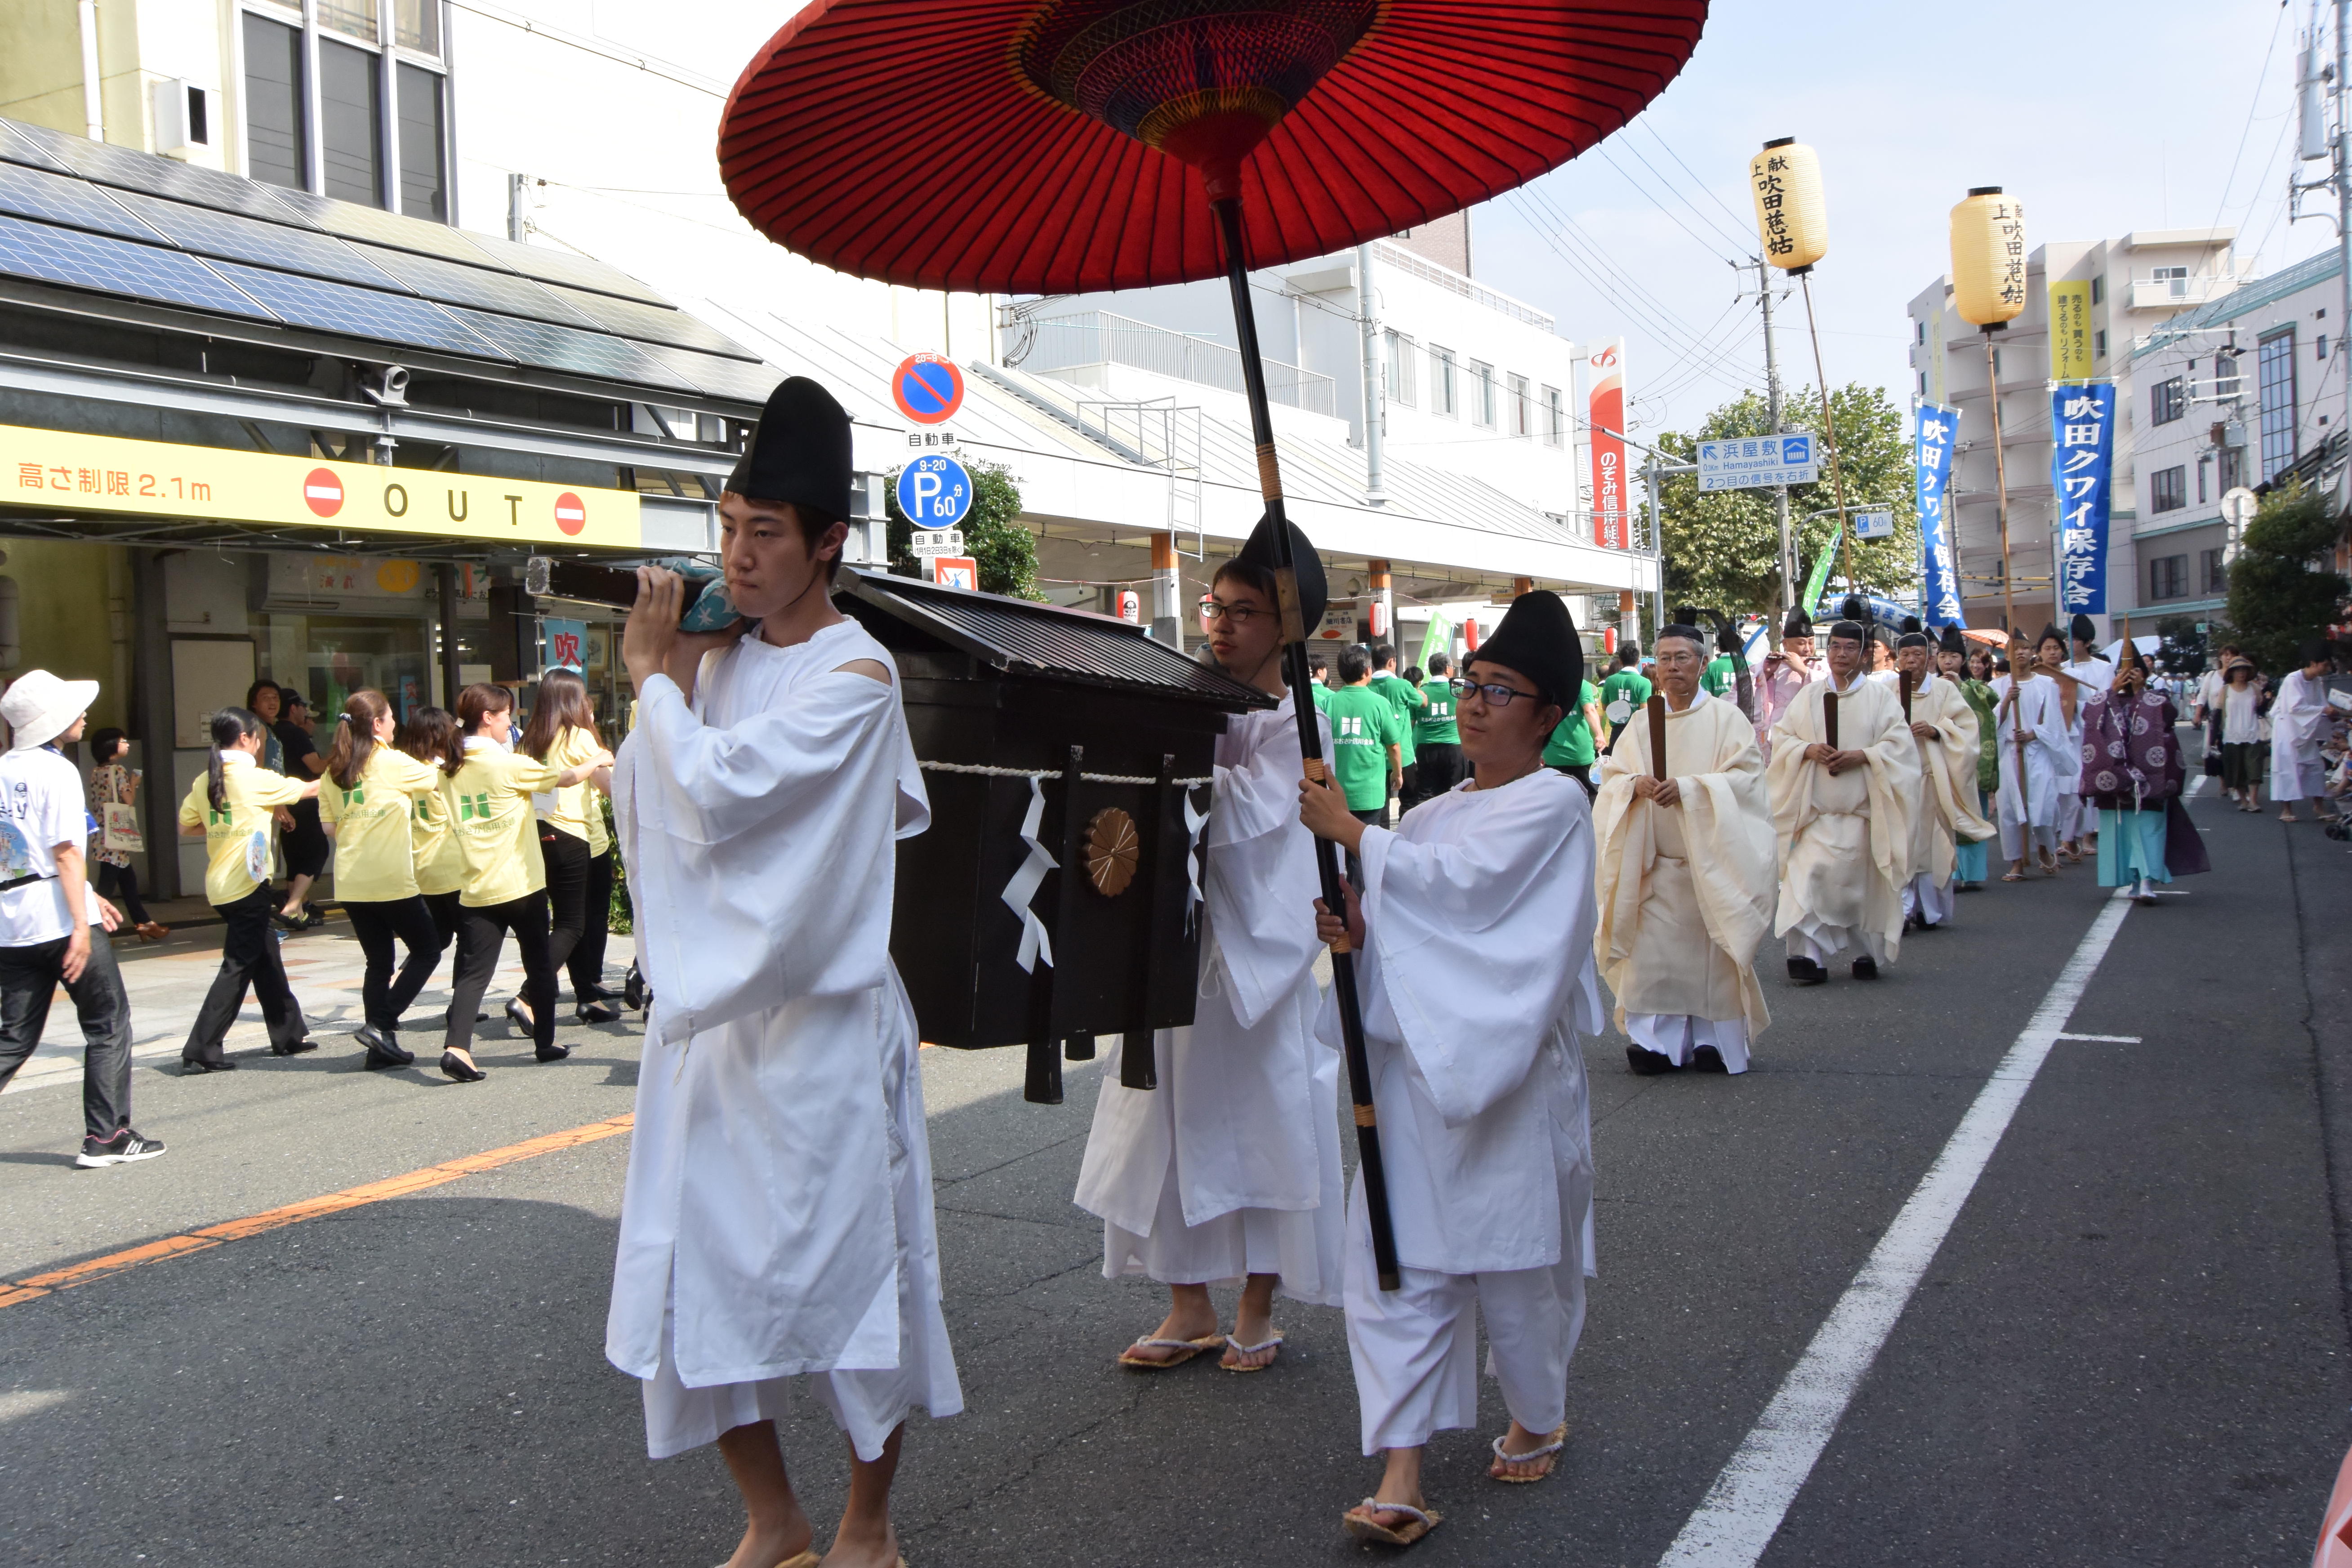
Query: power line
[1621,285]
[1645,123]
[1650,196]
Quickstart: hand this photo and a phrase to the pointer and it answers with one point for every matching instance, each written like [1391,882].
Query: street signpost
[956,572]
[934,492]
[928,388]
[1873,525]
[939,542]
[1757,462]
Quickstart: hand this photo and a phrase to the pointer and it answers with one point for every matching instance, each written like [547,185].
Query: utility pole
[1772,406]
[1375,412]
[2344,196]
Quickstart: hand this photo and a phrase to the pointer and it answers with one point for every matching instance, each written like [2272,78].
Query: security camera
[385,386]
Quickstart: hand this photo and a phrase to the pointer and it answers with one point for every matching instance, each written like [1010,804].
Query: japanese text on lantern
[2009,223]
[1772,199]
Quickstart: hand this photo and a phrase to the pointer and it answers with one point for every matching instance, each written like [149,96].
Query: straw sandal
[1128,1358]
[1359,1523]
[1552,1444]
[2012,876]
[1272,1343]
[808,1559]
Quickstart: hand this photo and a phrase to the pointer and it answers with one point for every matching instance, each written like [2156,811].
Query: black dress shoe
[635,990]
[1866,968]
[1805,972]
[1648,1063]
[454,1066]
[599,1013]
[1707,1058]
[296,1049]
[189,1067]
[518,1018]
[597,993]
[383,1050]
[552,1053]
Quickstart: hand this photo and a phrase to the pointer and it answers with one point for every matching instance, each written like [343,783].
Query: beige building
[2136,283]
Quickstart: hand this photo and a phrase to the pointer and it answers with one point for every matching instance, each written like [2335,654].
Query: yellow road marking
[113,1263]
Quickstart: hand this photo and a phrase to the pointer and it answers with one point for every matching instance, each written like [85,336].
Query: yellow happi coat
[1844,838]
[1945,810]
[1686,891]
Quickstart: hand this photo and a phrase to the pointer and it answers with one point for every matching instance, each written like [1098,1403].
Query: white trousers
[1301,1245]
[1677,1035]
[1415,1349]
[1823,943]
[2012,841]
[2071,818]
[1926,900]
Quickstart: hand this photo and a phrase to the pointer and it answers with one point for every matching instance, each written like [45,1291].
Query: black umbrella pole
[1301,675]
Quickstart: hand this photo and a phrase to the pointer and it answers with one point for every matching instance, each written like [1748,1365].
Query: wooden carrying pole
[1829,716]
[1903,683]
[1300,675]
[1658,737]
[2008,580]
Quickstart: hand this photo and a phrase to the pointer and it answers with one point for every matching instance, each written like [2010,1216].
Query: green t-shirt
[1627,687]
[1571,745]
[1408,701]
[1322,696]
[1716,678]
[1433,725]
[1364,725]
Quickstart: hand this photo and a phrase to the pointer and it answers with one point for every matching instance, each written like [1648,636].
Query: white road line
[1741,1513]
[2106,1039]
[2197,787]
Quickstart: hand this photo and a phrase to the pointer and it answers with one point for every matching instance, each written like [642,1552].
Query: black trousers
[29,977]
[580,905]
[248,957]
[121,883]
[1437,768]
[385,997]
[481,933]
[443,907]
[306,847]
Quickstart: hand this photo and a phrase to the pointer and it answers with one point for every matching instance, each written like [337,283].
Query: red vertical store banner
[1606,382]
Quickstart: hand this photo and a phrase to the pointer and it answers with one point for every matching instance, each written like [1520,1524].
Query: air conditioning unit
[187,121]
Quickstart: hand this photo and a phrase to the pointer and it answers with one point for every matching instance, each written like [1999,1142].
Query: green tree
[1723,547]
[2278,597]
[993,534]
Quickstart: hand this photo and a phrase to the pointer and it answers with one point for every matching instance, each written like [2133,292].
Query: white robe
[1946,811]
[2049,755]
[1844,838]
[1231,1166]
[1475,978]
[777,1215]
[2299,721]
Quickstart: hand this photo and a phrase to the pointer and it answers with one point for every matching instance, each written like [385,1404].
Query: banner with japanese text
[2070,330]
[2082,469]
[1939,595]
[1606,401]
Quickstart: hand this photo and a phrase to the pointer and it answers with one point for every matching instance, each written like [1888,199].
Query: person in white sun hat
[47,909]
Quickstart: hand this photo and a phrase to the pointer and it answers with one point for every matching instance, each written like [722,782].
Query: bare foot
[1254,1325]
[775,1543]
[862,1551]
[1192,1317]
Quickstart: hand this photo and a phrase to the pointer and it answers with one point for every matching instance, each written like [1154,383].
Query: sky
[2171,113]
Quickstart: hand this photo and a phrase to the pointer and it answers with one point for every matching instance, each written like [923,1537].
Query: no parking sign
[928,388]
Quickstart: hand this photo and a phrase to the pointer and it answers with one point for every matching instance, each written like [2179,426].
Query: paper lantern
[1792,214]
[1988,258]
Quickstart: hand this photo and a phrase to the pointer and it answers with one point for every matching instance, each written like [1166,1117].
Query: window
[2274,375]
[1923,384]
[2178,276]
[1555,417]
[2225,376]
[2166,402]
[2323,347]
[2213,578]
[381,102]
[2098,288]
[2233,469]
[2204,472]
[1919,331]
[1400,356]
[1522,411]
[2168,577]
[1445,393]
[1482,395]
[2168,489]
[274,135]
[2099,343]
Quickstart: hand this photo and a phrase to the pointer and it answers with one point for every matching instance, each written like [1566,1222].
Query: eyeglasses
[1496,694]
[1239,616]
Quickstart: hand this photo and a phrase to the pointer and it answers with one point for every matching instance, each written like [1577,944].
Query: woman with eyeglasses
[1472,912]
[1228,1171]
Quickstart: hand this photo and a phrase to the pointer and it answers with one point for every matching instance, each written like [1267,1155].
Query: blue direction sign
[1756,461]
[934,492]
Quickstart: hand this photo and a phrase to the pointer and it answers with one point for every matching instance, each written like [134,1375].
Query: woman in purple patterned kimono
[2132,772]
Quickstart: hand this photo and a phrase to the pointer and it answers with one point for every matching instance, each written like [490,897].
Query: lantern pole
[1804,275]
[1300,675]
[2007,578]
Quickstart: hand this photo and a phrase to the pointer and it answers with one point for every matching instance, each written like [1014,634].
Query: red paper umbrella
[1042,146]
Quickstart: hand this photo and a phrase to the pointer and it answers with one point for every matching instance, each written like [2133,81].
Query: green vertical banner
[1437,639]
[1821,573]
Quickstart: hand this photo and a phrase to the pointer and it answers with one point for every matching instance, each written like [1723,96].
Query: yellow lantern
[1988,258]
[1792,217]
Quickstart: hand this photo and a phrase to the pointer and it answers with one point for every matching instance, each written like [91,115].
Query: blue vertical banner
[2082,470]
[1940,581]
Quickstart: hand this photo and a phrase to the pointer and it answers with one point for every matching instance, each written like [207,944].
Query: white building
[2136,283]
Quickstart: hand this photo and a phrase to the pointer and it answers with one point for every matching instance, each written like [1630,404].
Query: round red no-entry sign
[928,388]
[322,492]
[571,512]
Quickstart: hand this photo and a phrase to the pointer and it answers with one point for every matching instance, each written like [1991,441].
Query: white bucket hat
[39,706]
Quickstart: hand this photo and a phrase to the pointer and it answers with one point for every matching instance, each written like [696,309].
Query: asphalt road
[2132,1347]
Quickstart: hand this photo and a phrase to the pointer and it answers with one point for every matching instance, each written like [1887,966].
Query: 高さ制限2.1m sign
[1758,461]
[63,472]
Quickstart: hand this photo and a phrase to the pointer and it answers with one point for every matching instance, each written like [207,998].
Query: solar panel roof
[106,164]
[29,193]
[652,324]
[110,266]
[567,348]
[562,266]
[210,232]
[747,380]
[452,284]
[356,222]
[362,312]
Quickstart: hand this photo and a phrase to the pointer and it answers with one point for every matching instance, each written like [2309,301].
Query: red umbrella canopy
[1058,146]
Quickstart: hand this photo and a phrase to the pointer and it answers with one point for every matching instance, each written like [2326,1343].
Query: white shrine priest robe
[1475,980]
[1945,811]
[2028,802]
[1844,838]
[1231,1166]
[1686,891]
[777,1218]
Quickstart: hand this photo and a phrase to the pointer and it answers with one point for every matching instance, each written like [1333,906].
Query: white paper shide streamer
[1195,822]
[1035,939]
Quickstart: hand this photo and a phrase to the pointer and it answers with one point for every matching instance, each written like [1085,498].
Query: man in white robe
[1685,876]
[1228,1170]
[1842,816]
[1474,913]
[1945,811]
[2300,719]
[2028,801]
[776,1220]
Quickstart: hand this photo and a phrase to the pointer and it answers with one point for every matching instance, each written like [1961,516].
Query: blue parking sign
[934,492]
